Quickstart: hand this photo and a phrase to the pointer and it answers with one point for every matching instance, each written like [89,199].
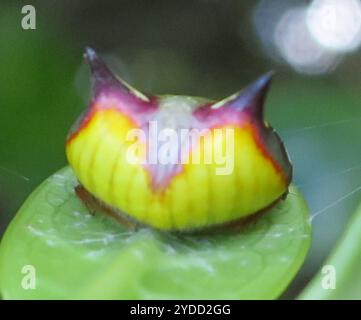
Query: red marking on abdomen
[138,113]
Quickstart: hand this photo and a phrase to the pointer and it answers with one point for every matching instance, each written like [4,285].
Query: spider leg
[94,205]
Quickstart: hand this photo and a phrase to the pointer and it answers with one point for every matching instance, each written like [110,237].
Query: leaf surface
[77,255]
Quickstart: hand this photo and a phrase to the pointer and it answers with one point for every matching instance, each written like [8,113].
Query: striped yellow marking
[194,198]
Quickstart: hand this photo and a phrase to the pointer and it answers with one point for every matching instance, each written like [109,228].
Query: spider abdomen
[230,168]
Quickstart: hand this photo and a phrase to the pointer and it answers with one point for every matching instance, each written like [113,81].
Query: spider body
[176,162]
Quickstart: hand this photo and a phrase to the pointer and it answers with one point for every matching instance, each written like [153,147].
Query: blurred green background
[208,48]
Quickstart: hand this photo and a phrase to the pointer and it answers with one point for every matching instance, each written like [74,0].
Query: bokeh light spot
[335,24]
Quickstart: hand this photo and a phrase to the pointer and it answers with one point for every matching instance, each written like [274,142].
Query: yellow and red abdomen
[196,197]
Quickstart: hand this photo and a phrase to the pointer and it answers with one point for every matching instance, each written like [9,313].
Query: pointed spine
[251,99]
[104,79]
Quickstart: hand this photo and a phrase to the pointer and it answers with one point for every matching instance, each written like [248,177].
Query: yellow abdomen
[195,197]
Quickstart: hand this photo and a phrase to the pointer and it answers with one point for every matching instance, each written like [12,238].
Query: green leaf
[346,262]
[77,255]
